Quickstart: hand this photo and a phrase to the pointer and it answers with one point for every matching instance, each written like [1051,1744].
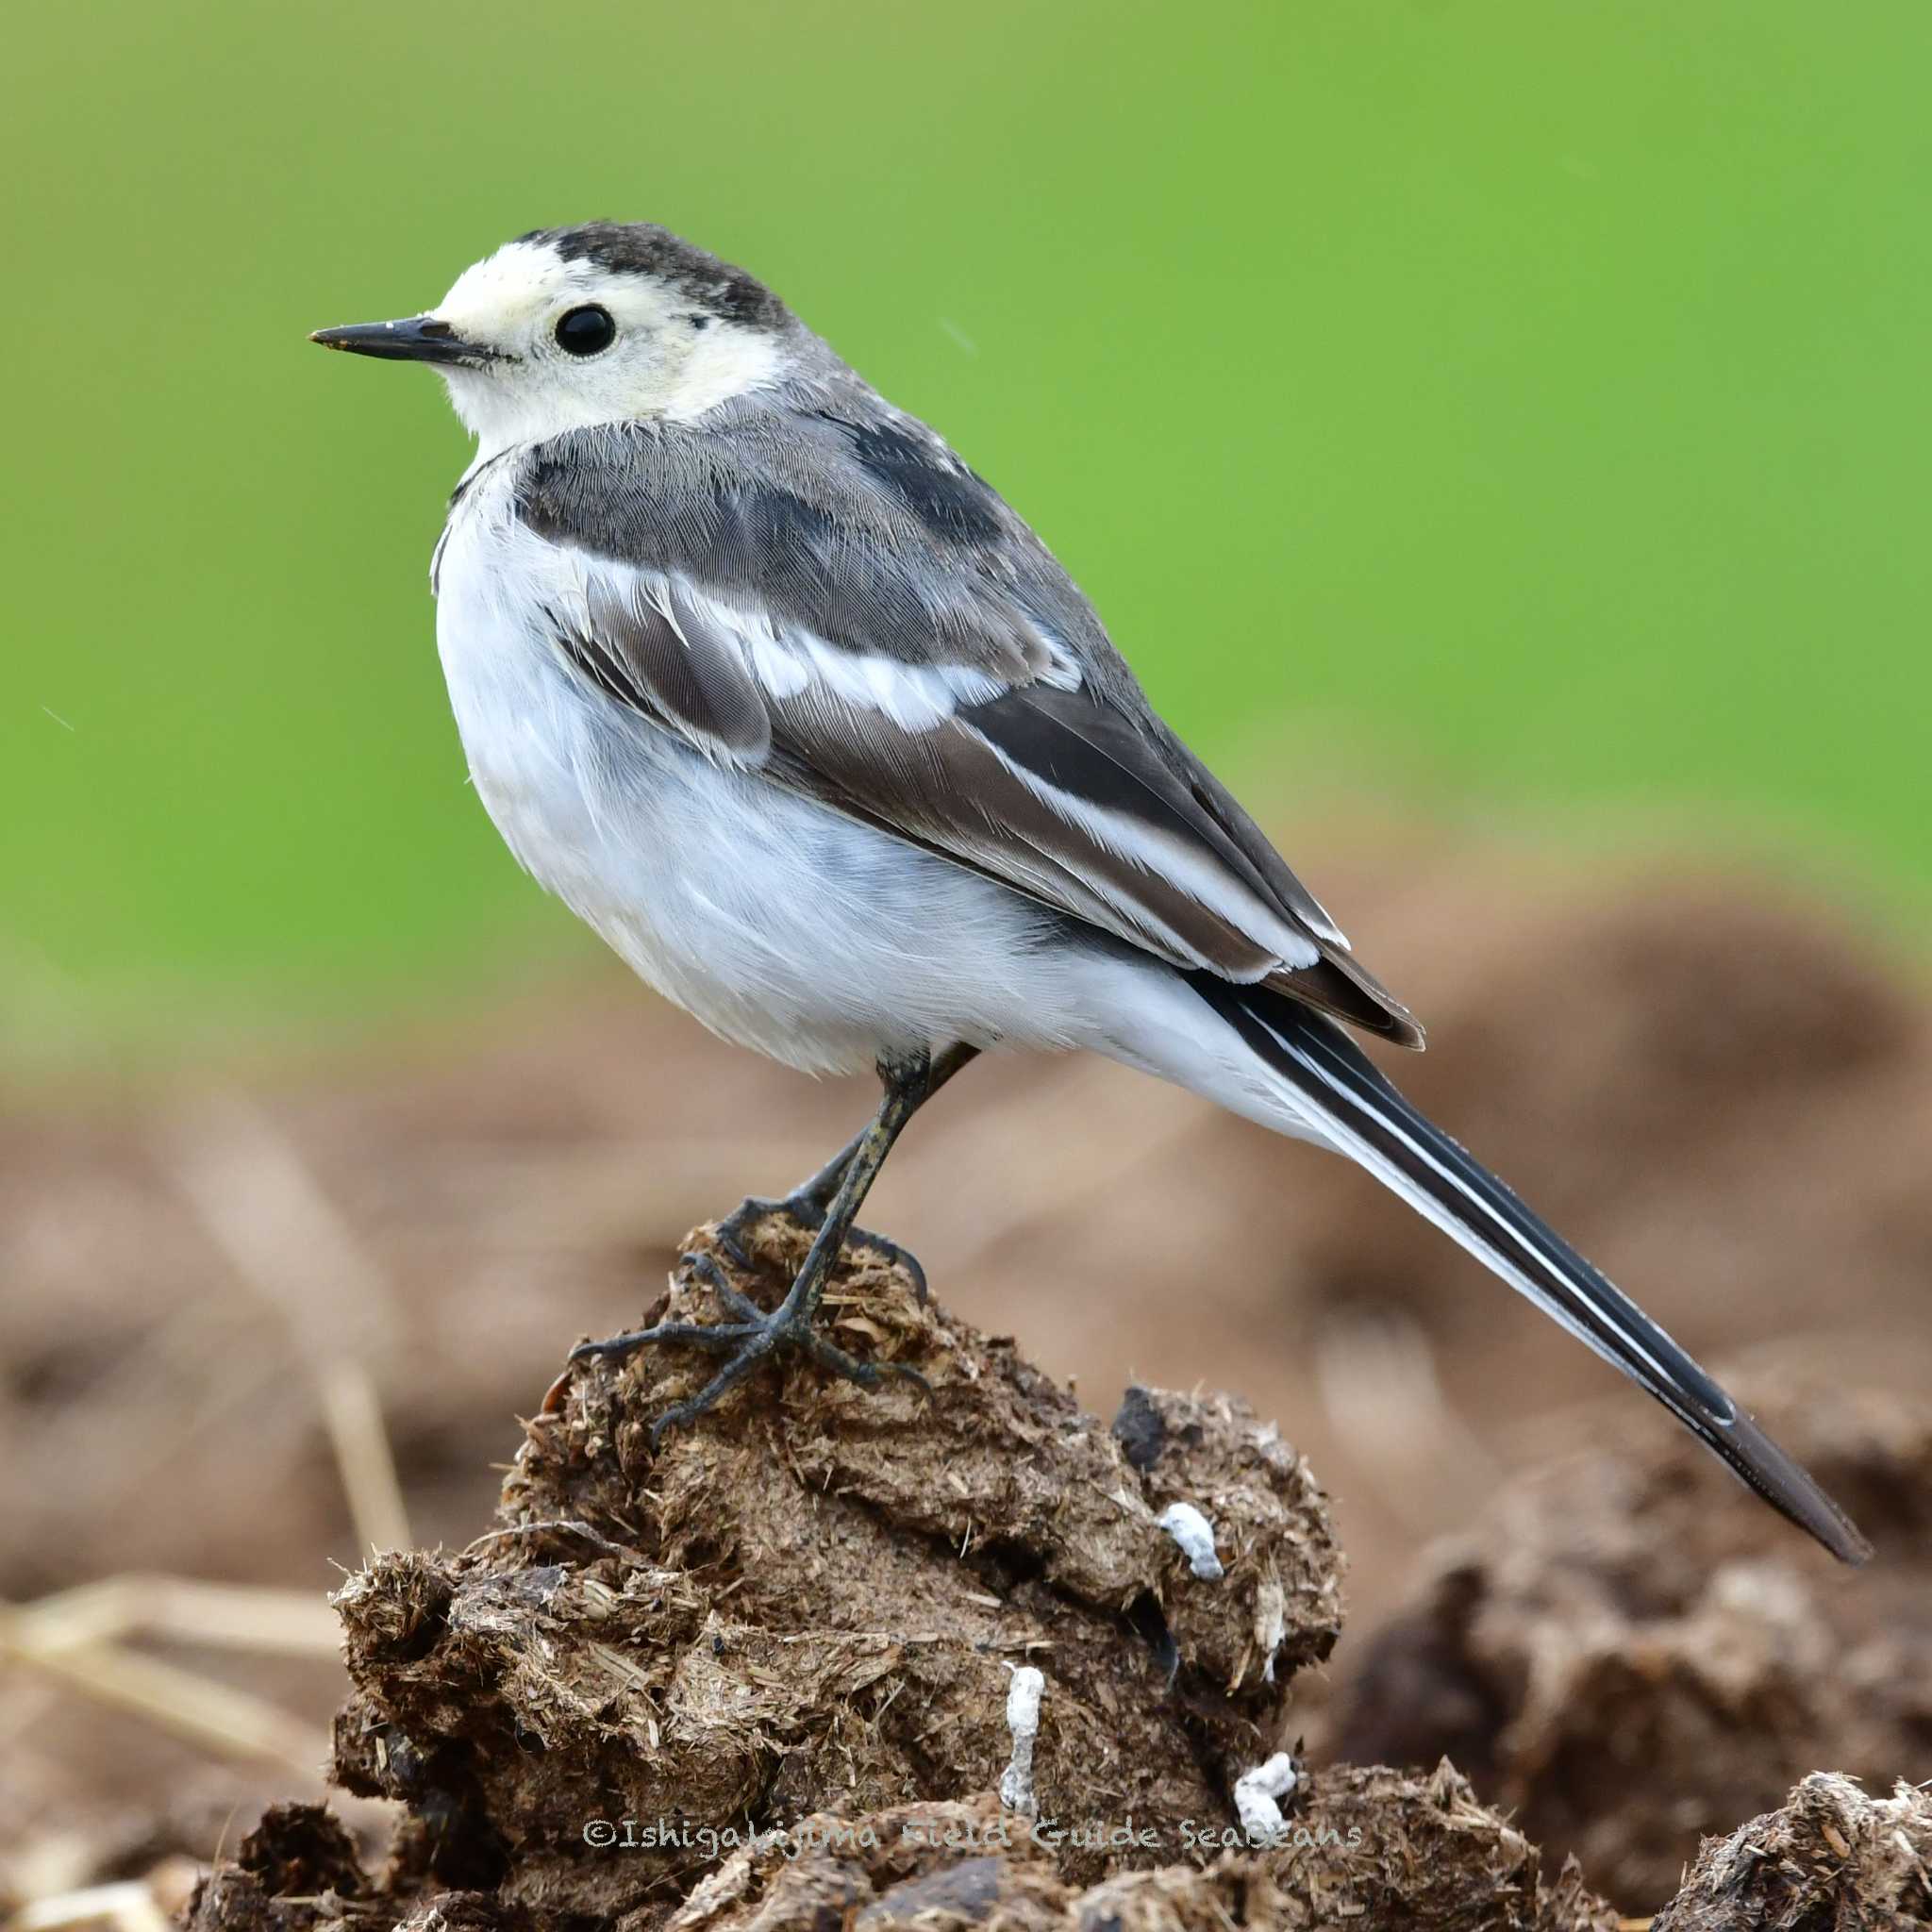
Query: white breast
[780,923]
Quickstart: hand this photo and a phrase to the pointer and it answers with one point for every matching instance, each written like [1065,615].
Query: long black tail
[1357,1108]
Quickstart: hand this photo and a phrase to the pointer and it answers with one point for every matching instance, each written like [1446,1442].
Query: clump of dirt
[1631,1651]
[816,1596]
[1368,1846]
[1830,1856]
[296,1869]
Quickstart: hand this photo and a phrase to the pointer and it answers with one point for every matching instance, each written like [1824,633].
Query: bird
[788,704]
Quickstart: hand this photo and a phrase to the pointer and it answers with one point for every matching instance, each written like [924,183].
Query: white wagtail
[767,685]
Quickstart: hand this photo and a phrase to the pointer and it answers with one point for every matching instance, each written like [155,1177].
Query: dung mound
[815,1598]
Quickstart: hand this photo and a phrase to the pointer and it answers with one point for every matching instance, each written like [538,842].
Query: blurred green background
[1508,409]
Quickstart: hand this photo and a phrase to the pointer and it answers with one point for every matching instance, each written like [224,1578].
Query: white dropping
[1258,1796]
[1195,1536]
[1023,1720]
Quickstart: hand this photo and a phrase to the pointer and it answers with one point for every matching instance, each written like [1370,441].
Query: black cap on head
[644,248]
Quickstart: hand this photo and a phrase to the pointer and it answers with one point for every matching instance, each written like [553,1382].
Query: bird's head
[610,322]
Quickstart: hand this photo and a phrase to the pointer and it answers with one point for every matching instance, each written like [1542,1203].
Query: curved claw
[867,1375]
[718,1334]
[807,1211]
[893,1255]
[804,1207]
[754,1350]
[759,1341]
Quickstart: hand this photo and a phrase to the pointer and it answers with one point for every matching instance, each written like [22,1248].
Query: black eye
[584,331]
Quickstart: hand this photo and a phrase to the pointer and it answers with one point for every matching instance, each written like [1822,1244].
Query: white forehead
[660,365]
[524,281]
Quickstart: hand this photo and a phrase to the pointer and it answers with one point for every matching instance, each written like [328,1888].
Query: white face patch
[670,357]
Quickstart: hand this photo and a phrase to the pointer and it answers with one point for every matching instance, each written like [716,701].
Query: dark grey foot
[751,1337]
[805,1207]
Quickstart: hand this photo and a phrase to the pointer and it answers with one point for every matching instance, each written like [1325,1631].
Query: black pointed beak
[420,339]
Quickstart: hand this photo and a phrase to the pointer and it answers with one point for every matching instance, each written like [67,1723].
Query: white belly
[779,924]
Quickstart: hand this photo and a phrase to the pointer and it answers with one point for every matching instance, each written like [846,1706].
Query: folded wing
[934,674]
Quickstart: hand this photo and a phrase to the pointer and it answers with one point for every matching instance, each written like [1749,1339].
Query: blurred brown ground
[1719,1094]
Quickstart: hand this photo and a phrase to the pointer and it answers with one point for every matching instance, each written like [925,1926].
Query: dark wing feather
[1088,748]
[652,651]
[1338,983]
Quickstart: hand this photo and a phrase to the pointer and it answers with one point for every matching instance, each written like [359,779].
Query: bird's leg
[752,1336]
[808,1203]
